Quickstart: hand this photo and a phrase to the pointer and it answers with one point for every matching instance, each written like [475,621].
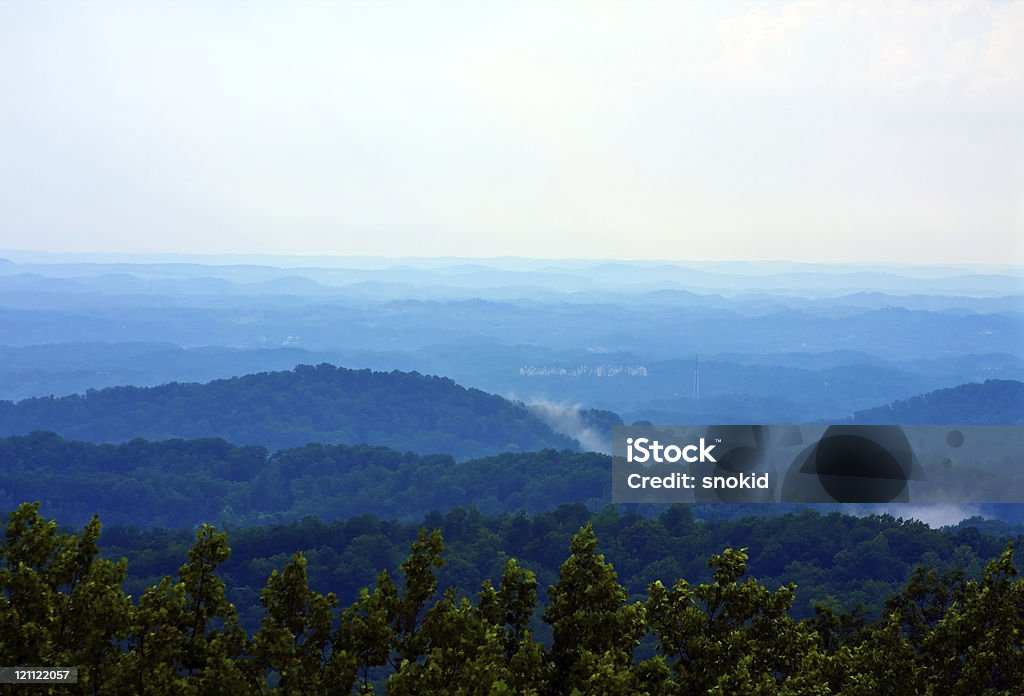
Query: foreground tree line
[841,560]
[61,604]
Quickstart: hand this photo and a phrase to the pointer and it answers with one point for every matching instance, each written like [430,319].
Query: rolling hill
[406,411]
[995,401]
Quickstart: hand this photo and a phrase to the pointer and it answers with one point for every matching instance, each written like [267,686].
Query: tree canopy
[322,403]
[62,604]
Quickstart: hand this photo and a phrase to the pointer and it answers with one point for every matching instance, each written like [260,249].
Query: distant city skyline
[838,132]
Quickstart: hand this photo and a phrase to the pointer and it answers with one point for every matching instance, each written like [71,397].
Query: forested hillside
[326,404]
[182,483]
[994,401]
[838,559]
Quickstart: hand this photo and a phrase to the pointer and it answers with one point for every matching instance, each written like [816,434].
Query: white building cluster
[604,370]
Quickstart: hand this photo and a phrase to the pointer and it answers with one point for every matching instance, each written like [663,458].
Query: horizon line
[29,256]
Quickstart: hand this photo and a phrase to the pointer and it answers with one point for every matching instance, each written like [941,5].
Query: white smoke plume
[566,419]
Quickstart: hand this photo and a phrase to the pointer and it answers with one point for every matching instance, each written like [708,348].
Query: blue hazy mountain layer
[776,341]
[407,411]
[995,401]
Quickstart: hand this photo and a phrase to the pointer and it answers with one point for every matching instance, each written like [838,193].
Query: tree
[59,603]
[728,636]
[365,639]
[294,640]
[978,645]
[595,630]
[184,637]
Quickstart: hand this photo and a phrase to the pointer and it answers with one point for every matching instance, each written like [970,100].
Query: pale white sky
[809,131]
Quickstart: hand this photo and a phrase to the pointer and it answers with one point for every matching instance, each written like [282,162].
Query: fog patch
[567,419]
[934,515]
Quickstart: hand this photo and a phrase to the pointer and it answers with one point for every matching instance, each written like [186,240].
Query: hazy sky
[817,131]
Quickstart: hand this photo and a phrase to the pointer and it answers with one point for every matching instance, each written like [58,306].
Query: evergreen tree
[595,629]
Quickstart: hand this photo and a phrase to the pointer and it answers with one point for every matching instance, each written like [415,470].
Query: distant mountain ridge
[406,411]
[995,401]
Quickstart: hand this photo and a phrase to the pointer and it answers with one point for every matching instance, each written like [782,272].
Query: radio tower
[696,379]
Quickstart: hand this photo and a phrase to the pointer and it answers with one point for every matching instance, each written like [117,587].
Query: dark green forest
[327,404]
[839,560]
[945,631]
[181,483]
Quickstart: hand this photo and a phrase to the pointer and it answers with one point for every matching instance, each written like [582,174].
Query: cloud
[937,515]
[947,49]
